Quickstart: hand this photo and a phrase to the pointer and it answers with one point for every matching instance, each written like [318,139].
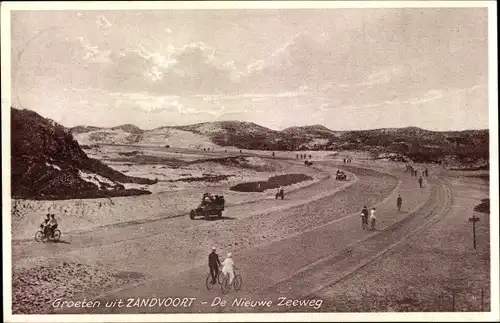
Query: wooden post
[474,219]
[482,298]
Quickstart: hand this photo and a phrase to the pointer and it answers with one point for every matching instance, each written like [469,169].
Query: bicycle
[40,236]
[208,281]
[237,282]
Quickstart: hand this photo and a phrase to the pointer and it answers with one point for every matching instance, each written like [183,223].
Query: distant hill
[315,130]
[413,142]
[247,135]
[130,128]
[83,129]
[48,163]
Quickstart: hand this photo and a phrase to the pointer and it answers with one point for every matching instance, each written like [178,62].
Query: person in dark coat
[213,265]
[399,202]
[45,224]
[364,218]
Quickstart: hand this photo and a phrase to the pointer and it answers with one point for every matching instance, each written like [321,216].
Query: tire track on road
[298,286]
[84,242]
[299,213]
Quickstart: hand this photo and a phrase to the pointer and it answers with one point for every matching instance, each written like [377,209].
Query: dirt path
[140,229]
[81,215]
[337,228]
[437,269]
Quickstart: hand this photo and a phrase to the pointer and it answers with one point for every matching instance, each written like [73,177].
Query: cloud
[427,97]
[352,72]
[148,103]
[382,76]
[193,68]
[326,69]
[301,60]
[103,23]
[255,97]
[92,53]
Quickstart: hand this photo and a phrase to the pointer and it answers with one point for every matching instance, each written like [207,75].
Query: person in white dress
[373,219]
[228,267]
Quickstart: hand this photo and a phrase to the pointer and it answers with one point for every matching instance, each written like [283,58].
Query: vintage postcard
[250,161]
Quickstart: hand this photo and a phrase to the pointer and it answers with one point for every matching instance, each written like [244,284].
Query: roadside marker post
[474,219]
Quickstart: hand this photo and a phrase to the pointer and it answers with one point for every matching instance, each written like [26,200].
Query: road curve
[289,265]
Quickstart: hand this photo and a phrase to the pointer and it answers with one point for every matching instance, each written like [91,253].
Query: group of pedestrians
[365,214]
[370,215]
[347,160]
[302,156]
[415,173]
[280,192]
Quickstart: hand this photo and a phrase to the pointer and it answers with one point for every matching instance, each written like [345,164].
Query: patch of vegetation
[206,178]
[272,183]
[91,194]
[483,207]
[130,153]
[138,159]
[46,162]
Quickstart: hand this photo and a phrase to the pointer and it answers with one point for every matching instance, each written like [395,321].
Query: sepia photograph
[283,160]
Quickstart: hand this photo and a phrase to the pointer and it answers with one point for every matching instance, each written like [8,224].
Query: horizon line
[251,122]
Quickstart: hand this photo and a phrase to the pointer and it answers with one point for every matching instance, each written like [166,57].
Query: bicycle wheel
[238,281]
[39,236]
[224,286]
[208,282]
[57,235]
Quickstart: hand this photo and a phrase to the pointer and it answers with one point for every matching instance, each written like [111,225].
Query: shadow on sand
[61,241]
[216,218]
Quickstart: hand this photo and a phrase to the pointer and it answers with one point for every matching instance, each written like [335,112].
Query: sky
[346,69]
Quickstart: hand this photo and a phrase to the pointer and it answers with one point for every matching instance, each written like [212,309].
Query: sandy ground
[45,284]
[170,254]
[169,199]
[183,243]
[430,269]
[312,231]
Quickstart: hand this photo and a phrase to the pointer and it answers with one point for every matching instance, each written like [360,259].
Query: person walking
[373,219]
[364,218]
[399,202]
[421,181]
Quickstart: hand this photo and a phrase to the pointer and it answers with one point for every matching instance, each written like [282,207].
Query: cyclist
[213,264]
[45,224]
[53,222]
[228,267]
